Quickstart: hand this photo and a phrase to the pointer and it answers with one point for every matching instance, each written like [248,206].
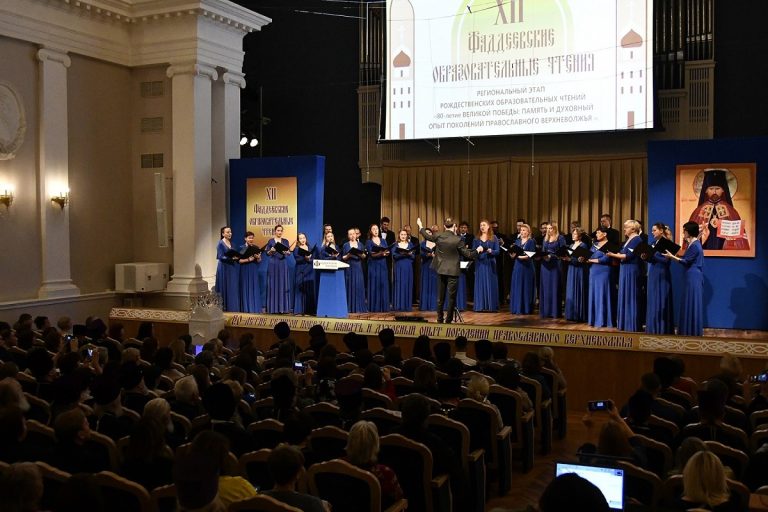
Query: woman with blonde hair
[705,485]
[477,390]
[549,286]
[522,290]
[363,451]
[659,317]
[627,313]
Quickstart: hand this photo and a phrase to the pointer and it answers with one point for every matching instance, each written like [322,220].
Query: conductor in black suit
[446,263]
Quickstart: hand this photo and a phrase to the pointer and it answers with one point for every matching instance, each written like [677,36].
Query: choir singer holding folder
[448,249]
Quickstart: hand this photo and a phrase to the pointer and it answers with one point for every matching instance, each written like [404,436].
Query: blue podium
[332,293]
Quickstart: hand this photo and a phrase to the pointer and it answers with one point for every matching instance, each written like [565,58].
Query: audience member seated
[164,363]
[135,393]
[109,418]
[21,487]
[393,356]
[461,351]
[565,491]
[362,451]
[639,410]
[705,486]
[186,399]
[80,492]
[732,375]
[220,404]
[442,352]
[547,357]
[387,339]
[326,376]
[286,464]
[73,453]
[147,460]
[651,383]
[379,380]
[210,450]
[415,411]
[422,349]
[317,339]
[159,410]
[349,395]
[531,368]
[449,390]
[616,439]
[14,446]
[760,401]
[500,351]
[508,376]
[425,381]
[484,356]
[687,449]
[477,390]
[296,430]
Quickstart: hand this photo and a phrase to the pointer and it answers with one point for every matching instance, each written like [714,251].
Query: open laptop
[610,481]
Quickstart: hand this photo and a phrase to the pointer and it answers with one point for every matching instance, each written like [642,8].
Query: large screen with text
[462,68]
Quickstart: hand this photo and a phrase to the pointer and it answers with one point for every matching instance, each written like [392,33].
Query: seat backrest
[164,498]
[328,442]
[669,426]
[324,413]
[386,421]
[741,490]
[253,466]
[266,433]
[403,386]
[510,405]
[108,446]
[641,485]
[482,422]
[434,405]
[659,455]
[39,409]
[757,439]
[373,399]
[671,490]
[533,388]
[346,487]
[412,463]
[261,503]
[123,495]
[53,479]
[453,432]
[677,396]
[757,419]
[735,459]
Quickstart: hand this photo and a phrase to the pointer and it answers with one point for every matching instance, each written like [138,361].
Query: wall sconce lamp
[62,199]
[6,197]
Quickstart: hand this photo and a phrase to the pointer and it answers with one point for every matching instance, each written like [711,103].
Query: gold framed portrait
[720,198]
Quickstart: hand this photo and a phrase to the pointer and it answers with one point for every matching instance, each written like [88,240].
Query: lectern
[332,295]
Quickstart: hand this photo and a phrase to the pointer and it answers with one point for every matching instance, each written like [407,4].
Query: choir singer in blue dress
[228,271]
[428,290]
[577,281]
[250,294]
[403,256]
[486,277]
[659,314]
[278,276]
[378,272]
[549,286]
[523,287]
[304,296]
[601,307]
[692,304]
[627,308]
[353,253]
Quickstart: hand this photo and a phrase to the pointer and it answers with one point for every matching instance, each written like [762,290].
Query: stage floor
[505,319]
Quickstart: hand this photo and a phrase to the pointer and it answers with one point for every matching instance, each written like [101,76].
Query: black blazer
[448,250]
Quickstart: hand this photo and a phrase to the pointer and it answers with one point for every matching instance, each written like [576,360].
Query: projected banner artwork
[269,202]
[459,68]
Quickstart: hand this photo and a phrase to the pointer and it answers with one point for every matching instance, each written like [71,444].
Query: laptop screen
[610,481]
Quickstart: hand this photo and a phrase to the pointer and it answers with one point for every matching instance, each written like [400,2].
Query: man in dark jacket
[448,251]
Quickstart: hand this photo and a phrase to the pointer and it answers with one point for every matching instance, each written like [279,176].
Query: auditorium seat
[559,402]
[266,433]
[164,498]
[328,442]
[324,413]
[735,459]
[53,479]
[542,412]
[412,462]
[373,399]
[641,485]
[659,455]
[253,466]
[723,433]
[39,409]
[386,421]
[348,488]
[757,419]
[261,503]
[510,404]
[123,495]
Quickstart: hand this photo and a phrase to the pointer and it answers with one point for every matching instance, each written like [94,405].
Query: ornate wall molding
[158,315]
[192,68]
[13,121]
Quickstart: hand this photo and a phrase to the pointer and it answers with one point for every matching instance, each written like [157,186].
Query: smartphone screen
[598,405]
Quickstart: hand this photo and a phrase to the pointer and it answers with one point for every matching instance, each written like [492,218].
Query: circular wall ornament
[13,122]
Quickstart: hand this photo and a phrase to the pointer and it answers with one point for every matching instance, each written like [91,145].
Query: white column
[53,177]
[226,142]
[194,240]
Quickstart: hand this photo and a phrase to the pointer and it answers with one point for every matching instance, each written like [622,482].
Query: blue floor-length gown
[577,289]
[486,279]
[523,288]
[692,303]
[549,288]
[227,278]
[378,277]
[278,280]
[428,290]
[304,292]
[659,312]
[627,308]
[402,293]
[355,280]
[601,305]
[250,293]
